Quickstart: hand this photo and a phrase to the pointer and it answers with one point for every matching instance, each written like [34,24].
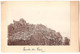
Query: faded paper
[72,25]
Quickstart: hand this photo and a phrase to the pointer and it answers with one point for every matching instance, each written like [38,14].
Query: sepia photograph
[38,23]
[39,26]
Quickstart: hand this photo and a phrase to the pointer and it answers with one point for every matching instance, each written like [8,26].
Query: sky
[54,15]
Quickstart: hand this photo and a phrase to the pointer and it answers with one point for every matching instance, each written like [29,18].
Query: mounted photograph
[39,26]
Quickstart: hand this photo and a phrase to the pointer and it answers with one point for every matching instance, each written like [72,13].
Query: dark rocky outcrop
[22,33]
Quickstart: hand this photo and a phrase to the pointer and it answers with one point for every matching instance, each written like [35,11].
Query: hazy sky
[55,15]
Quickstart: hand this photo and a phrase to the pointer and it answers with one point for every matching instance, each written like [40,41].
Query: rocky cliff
[23,33]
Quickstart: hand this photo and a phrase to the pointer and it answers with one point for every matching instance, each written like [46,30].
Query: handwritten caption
[33,49]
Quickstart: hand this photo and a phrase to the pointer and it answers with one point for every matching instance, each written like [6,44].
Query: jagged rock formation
[22,33]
